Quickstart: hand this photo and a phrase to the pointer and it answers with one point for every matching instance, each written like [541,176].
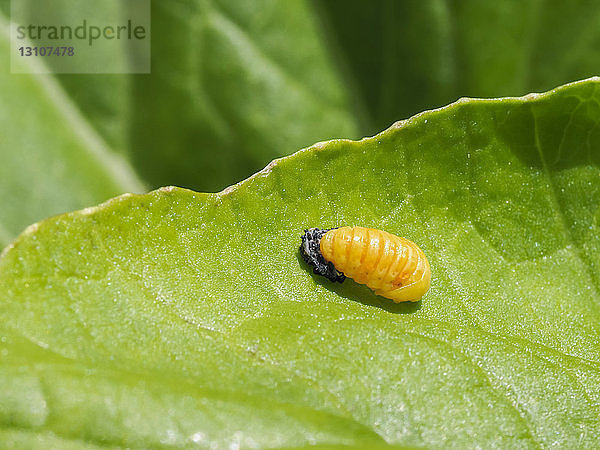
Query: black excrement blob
[311,253]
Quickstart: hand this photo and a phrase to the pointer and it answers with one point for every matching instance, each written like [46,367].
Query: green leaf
[178,318]
[409,56]
[224,76]
[52,159]
[102,99]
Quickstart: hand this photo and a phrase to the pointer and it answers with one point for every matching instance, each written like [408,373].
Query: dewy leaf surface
[178,318]
[52,161]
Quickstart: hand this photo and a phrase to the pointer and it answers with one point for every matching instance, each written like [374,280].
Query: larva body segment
[393,267]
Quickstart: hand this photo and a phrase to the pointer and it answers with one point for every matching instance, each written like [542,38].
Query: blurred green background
[235,84]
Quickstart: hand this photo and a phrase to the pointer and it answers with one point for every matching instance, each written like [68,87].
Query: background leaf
[223,77]
[177,318]
[404,57]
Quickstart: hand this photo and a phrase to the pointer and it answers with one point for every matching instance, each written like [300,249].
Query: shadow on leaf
[351,290]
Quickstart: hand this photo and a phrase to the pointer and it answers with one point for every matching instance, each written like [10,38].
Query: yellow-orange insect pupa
[393,267]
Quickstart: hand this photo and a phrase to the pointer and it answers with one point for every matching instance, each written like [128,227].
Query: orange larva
[393,267]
